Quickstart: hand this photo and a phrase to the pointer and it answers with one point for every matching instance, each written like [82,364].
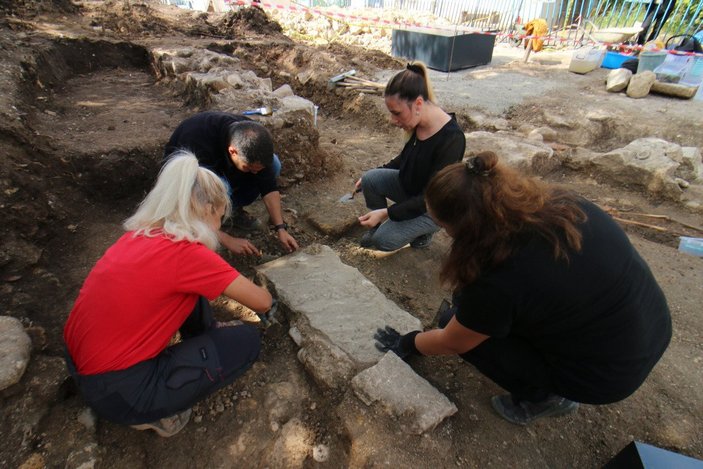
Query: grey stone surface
[15,349]
[403,394]
[336,309]
[515,150]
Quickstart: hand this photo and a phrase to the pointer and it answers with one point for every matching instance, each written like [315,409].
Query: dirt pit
[85,118]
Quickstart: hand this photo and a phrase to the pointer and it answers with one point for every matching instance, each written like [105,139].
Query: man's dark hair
[253,142]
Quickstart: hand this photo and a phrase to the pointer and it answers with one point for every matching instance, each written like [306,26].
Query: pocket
[183,375]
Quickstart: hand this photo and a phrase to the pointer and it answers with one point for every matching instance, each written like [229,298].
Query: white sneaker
[168,426]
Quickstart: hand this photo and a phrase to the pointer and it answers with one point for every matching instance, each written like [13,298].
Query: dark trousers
[655,16]
[512,363]
[207,359]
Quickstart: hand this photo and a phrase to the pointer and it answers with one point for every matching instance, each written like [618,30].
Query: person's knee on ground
[238,348]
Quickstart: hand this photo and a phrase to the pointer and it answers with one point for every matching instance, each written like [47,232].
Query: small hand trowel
[346,198]
[263,111]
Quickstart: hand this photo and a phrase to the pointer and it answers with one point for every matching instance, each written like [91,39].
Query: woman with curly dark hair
[551,300]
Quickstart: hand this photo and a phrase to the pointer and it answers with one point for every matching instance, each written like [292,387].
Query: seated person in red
[154,281]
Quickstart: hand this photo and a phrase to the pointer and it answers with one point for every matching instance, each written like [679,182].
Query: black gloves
[390,339]
[269,317]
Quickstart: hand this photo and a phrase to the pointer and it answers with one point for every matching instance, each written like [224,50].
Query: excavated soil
[84,120]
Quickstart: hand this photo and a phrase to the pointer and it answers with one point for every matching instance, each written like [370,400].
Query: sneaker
[366,241]
[242,220]
[524,412]
[168,426]
[422,241]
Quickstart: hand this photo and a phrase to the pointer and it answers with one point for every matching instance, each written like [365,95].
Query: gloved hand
[269,317]
[390,339]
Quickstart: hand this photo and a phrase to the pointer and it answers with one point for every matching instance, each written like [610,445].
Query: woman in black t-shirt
[551,300]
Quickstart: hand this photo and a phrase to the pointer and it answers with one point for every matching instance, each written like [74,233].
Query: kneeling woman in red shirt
[156,280]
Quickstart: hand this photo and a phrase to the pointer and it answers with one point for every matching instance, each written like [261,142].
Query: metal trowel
[346,198]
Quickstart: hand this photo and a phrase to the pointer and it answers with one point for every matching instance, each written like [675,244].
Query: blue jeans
[379,185]
[248,192]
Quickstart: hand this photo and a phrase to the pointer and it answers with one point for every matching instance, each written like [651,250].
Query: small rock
[34,461]
[320,453]
[283,91]
[295,334]
[683,184]
[618,80]
[87,418]
[15,349]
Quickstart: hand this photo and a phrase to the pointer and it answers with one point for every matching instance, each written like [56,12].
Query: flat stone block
[403,394]
[333,305]
[334,218]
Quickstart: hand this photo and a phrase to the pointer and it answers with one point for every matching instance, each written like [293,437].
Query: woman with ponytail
[435,140]
[551,300]
[155,281]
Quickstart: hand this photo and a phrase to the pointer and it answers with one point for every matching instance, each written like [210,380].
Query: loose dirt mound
[33,7]
[248,20]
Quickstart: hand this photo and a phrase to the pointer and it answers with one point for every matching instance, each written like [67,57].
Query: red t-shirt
[136,297]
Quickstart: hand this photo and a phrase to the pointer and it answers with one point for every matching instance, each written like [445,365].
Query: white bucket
[586,59]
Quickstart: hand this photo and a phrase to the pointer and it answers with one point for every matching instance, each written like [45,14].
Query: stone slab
[334,218]
[403,394]
[334,307]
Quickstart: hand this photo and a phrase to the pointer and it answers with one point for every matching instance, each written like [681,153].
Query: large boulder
[661,168]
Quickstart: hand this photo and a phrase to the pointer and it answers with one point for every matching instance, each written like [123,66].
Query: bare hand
[287,241]
[357,185]
[240,246]
[374,218]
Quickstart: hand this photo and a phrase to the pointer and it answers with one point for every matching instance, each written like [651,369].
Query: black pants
[521,369]
[657,13]
[207,359]
[511,362]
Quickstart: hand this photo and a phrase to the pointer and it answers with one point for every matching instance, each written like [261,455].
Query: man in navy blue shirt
[240,151]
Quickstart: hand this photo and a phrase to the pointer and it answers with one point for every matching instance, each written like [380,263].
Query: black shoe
[422,241]
[366,241]
[242,220]
[524,412]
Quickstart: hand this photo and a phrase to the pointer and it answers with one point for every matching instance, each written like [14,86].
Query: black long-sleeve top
[208,136]
[419,161]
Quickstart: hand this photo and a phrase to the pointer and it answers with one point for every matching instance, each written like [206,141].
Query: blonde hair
[179,202]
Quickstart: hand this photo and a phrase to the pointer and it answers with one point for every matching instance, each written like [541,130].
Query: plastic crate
[614,59]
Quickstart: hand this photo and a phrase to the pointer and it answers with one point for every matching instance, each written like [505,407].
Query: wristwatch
[281,226]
